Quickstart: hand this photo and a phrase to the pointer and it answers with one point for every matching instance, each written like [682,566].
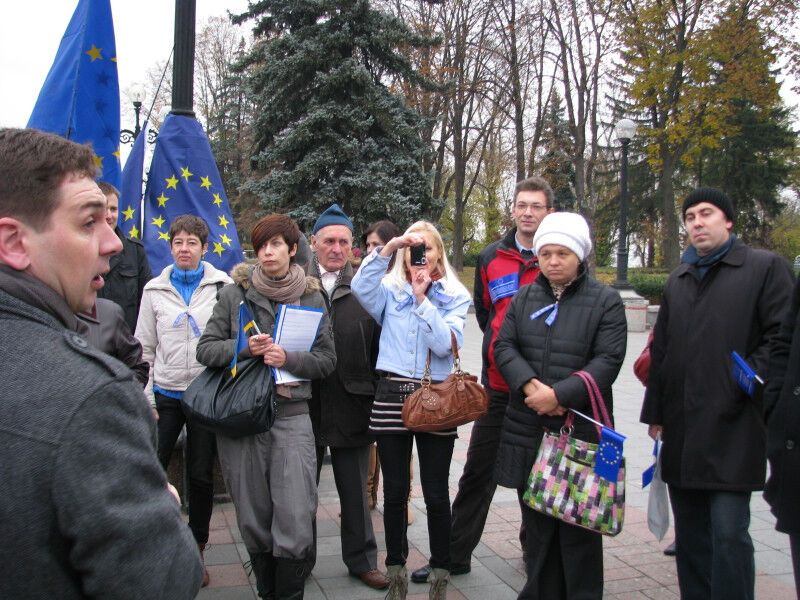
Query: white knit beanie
[564,229]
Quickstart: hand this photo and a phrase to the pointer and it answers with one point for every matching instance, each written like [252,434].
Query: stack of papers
[295,330]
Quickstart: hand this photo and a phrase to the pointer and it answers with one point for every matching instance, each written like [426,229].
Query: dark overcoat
[590,333]
[125,281]
[782,408]
[85,511]
[714,435]
[341,403]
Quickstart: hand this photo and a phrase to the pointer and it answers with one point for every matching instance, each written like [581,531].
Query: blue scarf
[186,282]
[704,263]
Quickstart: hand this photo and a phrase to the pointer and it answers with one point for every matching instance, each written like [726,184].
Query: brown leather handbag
[457,400]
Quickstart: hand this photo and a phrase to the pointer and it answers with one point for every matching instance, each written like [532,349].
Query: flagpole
[183,66]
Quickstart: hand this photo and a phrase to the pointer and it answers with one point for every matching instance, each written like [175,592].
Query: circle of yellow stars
[218,246]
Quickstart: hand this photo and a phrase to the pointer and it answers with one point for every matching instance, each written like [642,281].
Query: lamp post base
[635,309]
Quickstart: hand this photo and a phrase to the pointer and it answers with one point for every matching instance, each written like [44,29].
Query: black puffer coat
[782,406]
[714,435]
[341,403]
[590,333]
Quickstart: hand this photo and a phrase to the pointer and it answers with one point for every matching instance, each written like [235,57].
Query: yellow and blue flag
[80,97]
[246,324]
[184,179]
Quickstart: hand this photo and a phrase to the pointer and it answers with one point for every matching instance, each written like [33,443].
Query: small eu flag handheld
[608,458]
[79,100]
[184,179]
[246,323]
[745,376]
[609,454]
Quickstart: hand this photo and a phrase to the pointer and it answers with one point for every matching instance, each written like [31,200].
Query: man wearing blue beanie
[724,297]
[341,403]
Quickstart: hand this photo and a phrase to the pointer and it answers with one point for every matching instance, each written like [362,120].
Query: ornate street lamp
[136,94]
[624,132]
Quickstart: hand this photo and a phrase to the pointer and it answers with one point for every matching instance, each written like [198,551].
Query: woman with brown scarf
[272,476]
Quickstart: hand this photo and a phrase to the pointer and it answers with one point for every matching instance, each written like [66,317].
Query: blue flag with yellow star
[80,97]
[184,180]
[130,199]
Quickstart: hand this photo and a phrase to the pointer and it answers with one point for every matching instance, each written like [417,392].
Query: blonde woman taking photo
[418,307]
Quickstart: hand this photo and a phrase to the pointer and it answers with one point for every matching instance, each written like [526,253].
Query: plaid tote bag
[563,482]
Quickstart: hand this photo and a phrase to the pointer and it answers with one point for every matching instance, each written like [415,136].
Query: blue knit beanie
[334,215]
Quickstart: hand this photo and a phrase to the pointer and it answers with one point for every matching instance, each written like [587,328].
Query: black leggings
[201,447]
[434,453]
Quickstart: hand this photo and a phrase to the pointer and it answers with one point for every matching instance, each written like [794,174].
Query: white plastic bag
[658,503]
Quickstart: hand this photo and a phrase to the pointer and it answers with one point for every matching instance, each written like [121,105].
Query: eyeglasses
[524,206]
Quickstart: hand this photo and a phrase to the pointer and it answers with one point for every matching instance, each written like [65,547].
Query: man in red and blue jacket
[503,268]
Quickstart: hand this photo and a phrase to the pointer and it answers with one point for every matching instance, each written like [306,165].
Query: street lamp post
[624,132]
[136,93]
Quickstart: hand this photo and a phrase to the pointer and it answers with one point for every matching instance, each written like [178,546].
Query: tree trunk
[671,248]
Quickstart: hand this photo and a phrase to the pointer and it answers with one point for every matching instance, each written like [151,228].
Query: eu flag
[130,200]
[184,180]
[80,97]
[246,323]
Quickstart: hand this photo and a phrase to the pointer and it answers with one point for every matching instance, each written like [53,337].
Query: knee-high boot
[263,564]
[290,578]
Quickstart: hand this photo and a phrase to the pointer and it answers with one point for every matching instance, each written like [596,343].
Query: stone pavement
[635,567]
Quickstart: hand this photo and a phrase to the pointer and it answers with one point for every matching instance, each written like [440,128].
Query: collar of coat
[570,289]
[342,287]
[735,258]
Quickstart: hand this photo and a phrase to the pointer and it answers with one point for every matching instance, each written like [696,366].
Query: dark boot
[290,578]
[263,564]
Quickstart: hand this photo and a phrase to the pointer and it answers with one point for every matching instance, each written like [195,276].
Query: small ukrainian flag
[246,323]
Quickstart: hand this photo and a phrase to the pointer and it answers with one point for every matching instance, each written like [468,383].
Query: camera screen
[418,255]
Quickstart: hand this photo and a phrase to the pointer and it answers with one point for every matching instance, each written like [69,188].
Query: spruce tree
[328,128]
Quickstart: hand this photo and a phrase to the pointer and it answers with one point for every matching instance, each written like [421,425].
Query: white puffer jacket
[169,330]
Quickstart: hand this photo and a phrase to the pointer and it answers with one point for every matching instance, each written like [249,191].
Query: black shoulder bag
[233,406]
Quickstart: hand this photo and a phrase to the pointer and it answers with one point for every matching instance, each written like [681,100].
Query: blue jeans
[714,552]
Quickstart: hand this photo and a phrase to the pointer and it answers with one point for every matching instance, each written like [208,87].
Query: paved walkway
[635,567]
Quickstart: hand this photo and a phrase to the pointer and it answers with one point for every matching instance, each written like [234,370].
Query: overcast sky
[31,30]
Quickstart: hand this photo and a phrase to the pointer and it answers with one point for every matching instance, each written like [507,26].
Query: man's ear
[13,246]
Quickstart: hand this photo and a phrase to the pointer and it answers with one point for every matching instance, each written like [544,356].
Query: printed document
[295,331]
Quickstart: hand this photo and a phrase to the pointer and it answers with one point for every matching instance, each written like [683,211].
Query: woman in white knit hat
[564,322]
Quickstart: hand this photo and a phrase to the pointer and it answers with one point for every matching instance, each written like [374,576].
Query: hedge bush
[648,284]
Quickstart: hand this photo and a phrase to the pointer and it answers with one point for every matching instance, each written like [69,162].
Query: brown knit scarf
[285,290]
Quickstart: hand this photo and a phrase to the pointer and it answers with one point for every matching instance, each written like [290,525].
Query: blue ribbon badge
[551,318]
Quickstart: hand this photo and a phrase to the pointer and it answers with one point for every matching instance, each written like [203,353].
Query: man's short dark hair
[270,226]
[33,165]
[536,184]
[190,224]
[108,189]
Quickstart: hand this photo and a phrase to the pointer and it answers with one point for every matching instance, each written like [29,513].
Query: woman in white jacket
[176,306]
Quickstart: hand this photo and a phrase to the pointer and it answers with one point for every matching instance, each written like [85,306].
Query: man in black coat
[85,510]
[130,271]
[782,410]
[724,297]
[341,403]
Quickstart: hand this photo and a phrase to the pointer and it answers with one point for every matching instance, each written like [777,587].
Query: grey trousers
[272,480]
